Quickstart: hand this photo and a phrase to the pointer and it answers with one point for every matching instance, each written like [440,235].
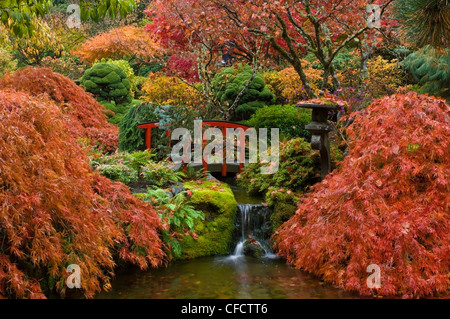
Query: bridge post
[224,164]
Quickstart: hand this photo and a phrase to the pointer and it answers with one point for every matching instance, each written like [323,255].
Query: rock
[211,178]
[177,188]
[252,248]
[215,233]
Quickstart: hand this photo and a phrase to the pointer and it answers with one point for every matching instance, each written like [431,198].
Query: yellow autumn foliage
[41,43]
[287,86]
[170,90]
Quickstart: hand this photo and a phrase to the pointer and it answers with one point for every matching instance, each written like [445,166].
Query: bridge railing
[223,125]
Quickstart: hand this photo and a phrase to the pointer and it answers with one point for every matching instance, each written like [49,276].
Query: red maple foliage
[184,67]
[387,204]
[84,116]
[55,211]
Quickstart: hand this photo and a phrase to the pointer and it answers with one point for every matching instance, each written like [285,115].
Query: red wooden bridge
[225,167]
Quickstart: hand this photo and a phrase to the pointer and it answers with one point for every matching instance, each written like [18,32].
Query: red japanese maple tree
[257,29]
[84,116]
[387,204]
[55,211]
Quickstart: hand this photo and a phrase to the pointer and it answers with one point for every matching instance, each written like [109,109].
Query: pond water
[221,277]
[233,276]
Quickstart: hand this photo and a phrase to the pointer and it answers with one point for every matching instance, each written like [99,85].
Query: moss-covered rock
[253,249]
[217,202]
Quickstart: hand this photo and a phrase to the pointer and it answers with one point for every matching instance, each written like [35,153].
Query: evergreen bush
[229,82]
[108,82]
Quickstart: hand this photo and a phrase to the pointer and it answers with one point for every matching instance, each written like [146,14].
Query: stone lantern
[319,129]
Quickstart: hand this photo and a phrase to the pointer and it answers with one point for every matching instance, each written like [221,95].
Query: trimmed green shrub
[229,82]
[289,119]
[136,81]
[108,82]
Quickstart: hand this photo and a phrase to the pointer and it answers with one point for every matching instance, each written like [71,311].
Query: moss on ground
[217,202]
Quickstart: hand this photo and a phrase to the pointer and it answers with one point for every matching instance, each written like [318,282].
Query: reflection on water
[222,277]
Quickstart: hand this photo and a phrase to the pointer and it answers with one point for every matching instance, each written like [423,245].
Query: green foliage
[124,166]
[299,167]
[108,82]
[283,203]
[229,82]
[7,61]
[130,136]
[137,84]
[193,174]
[118,110]
[125,66]
[429,67]
[217,202]
[289,119]
[424,22]
[178,214]
[119,172]
[67,65]
[344,59]
[146,69]
[160,173]
[18,14]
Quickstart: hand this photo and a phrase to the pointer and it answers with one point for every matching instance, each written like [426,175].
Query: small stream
[233,276]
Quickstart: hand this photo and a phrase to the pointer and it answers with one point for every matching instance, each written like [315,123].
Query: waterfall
[253,223]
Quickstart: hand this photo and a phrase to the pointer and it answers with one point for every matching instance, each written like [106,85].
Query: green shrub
[118,111]
[119,172]
[136,81]
[289,119]
[178,214]
[132,138]
[108,82]
[124,166]
[160,173]
[67,65]
[7,61]
[284,205]
[299,167]
[429,67]
[138,84]
[229,82]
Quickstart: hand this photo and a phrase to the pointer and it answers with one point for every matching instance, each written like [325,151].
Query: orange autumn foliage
[387,204]
[84,116]
[55,211]
[130,41]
